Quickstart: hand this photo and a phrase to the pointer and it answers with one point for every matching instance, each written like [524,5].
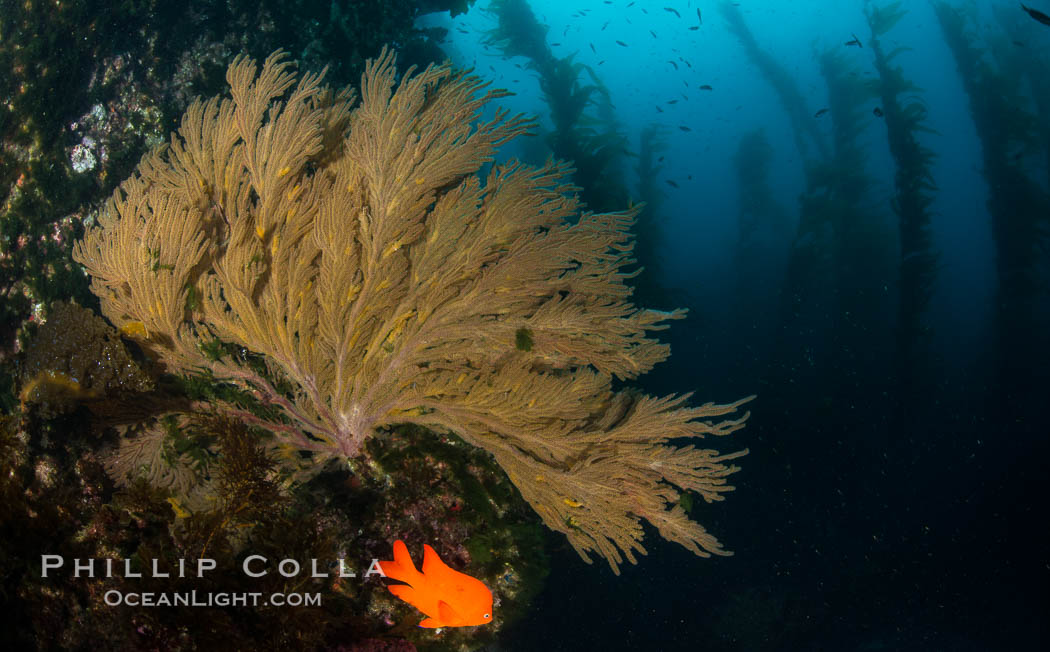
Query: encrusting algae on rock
[76,356]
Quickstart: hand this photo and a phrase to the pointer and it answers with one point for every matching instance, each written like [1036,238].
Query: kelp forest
[828,310]
[416,318]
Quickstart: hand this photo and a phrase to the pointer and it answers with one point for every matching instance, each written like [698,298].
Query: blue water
[640,78]
[854,528]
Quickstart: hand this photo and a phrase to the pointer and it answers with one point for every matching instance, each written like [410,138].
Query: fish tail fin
[401,556]
[402,568]
[405,592]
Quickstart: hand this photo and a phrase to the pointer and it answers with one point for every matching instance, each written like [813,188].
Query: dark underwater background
[851,198]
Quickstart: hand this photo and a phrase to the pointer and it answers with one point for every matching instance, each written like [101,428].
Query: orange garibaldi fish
[448,597]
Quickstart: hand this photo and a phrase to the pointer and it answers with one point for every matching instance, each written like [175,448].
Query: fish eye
[487,616]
